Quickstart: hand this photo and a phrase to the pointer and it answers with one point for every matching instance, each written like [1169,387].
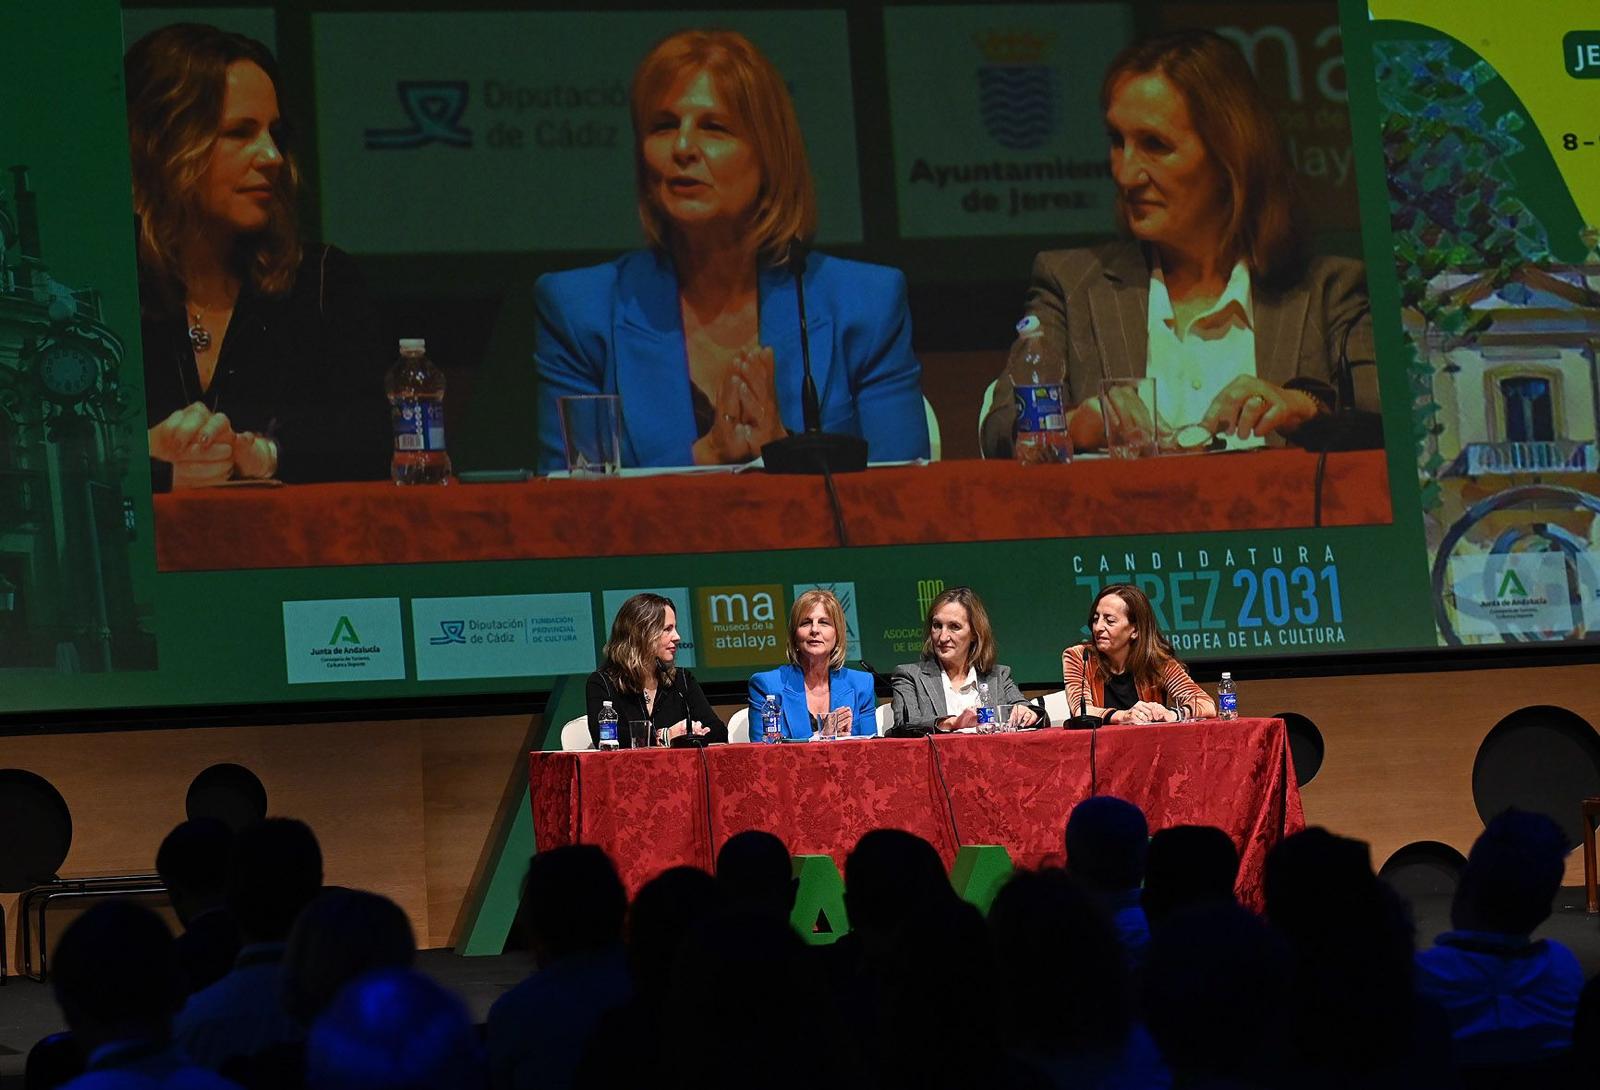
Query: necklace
[199,335]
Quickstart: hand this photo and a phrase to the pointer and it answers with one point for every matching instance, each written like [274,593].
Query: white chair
[739,726]
[983,411]
[885,716]
[575,734]
[1056,706]
[935,441]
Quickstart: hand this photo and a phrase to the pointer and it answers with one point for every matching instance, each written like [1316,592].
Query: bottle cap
[1227,675]
[605,703]
[418,344]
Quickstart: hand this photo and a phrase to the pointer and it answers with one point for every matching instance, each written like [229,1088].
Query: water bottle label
[608,730]
[1040,408]
[986,715]
[1228,703]
[418,424]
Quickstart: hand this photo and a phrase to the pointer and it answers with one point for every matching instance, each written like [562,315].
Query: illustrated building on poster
[1517,426]
[66,591]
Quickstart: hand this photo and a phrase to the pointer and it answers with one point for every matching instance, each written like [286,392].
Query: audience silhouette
[1079,979]
[193,864]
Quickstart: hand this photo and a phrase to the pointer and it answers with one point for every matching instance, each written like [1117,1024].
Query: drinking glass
[639,733]
[1128,406]
[1003,722]
[591,427]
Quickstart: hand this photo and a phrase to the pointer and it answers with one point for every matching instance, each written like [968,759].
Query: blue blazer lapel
[796,716]
[780,331]
[652,365]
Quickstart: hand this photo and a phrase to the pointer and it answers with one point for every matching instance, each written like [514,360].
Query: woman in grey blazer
[1212,291]
[941,691]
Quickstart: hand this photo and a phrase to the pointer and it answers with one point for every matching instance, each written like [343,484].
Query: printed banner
[996,117]
[349,639]
[504,635]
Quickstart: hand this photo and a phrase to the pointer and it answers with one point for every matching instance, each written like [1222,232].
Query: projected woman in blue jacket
[700,333]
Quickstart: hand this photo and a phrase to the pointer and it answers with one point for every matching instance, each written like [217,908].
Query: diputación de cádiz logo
[1017,89]
[449,632]
[435,109]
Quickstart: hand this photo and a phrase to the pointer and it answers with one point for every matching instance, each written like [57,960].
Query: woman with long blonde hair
[817,696]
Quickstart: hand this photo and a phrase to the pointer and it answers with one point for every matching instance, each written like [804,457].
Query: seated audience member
[52,1062]
[1215,997]
[274,870]
[813,688]
[940,959]
[663,913]
[1187,865]
[1214,295]
[1355,1016]
[756,871]
[1065,986]
[394,1030]
[1510,999]
[746,961]
[941,691]
[193,864]
[341,935]
[1586,1028]
[116,978]
[263,354]
[1127,672]
[574,906]
[699,334]
[637,674]
[1107,842]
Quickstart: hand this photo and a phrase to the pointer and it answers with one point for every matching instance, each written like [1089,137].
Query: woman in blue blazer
[700,333]
[815,683]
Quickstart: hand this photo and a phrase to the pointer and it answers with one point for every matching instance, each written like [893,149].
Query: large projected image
[1306,351]
[643,366]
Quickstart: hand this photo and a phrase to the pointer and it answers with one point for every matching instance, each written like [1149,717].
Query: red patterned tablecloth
[311,525]
[659,808]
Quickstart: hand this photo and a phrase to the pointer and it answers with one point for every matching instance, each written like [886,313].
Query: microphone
[880,683]
[813,450]
[1083,720]
[688,739]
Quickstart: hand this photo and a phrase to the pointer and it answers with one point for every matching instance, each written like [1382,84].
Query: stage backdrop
[458,156]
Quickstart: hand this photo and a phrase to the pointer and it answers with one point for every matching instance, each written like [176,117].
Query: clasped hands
[679,729]
[1021,716]
[746,407]
[205,450]
[1245,407]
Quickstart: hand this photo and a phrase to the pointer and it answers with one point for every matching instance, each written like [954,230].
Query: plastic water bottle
[1227,698]
[416,407]
[985,709]
[608,726]
[771,732]
[1040,386]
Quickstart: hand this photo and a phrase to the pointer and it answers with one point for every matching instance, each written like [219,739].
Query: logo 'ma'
[343,632]
[741,608]
[1511,586]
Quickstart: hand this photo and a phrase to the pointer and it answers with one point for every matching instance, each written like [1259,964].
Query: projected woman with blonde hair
[699,333]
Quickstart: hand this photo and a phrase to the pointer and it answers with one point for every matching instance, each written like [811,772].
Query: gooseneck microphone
[688,739]
[1083,720]
[813,450]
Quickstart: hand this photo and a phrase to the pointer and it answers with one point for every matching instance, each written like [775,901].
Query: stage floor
[28,1011]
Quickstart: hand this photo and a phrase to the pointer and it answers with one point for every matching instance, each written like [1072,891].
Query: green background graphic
[875,85]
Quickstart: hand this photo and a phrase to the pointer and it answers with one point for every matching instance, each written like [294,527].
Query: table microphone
[1083,720]
[813,450]
[688,739]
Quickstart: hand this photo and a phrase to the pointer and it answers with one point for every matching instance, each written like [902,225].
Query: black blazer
[305,369]
[919,694]
[668,710]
